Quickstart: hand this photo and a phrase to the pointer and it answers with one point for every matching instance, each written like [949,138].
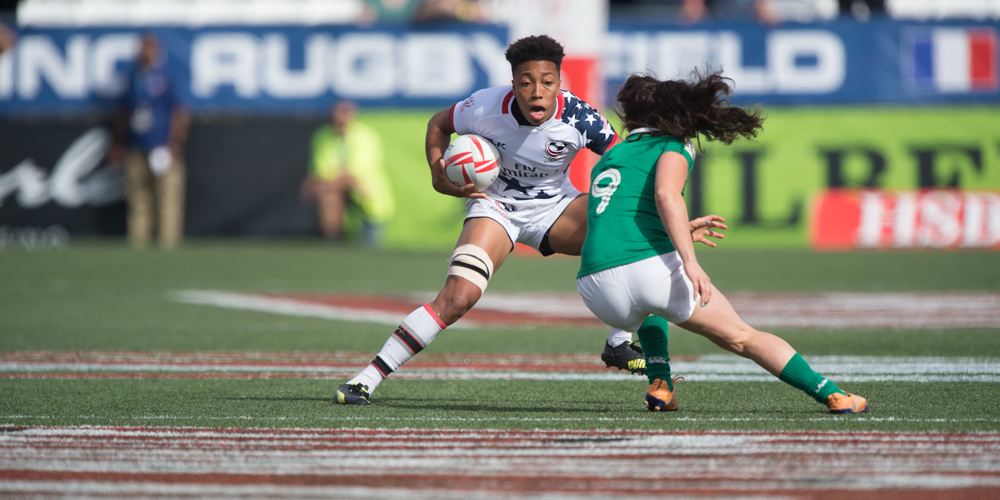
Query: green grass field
[102,296]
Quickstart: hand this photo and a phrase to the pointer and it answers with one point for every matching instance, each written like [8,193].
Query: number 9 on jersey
[604,192]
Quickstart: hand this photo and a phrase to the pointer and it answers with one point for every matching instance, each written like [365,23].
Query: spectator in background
[419,11]
[389,11]
[7,38]
[150,131]
[862,10]
[448,10]
[346,177]
[728,10]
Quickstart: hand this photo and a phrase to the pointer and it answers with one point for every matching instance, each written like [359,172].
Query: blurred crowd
[683,11]
[420,11]
[371,12]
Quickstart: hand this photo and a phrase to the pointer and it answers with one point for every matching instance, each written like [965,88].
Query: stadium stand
[317,12]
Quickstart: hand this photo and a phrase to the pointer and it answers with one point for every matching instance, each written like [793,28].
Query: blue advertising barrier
[837,62]
[269,70]
[302,70]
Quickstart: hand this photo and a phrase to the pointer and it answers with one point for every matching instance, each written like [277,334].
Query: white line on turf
[710,368]
[291,307]
[777,310]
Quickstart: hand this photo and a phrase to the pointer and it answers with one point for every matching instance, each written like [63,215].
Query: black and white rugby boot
[625,356]
[352,394]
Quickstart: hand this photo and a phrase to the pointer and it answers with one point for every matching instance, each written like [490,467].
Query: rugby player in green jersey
[638,259]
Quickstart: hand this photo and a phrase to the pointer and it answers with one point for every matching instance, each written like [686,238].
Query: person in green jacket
[346,177]
[638,268]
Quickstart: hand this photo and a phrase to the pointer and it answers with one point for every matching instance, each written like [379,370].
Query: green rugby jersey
[623,224]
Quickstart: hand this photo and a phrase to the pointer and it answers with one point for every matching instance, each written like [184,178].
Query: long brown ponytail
[687,110]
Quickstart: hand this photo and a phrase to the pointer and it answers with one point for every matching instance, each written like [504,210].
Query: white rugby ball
[471,159]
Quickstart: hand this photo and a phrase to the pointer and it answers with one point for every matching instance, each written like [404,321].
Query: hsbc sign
[936,218]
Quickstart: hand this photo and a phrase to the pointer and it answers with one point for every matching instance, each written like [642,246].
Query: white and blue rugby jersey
[533,159]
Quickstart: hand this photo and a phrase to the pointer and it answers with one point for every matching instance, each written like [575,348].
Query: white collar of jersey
[643,130]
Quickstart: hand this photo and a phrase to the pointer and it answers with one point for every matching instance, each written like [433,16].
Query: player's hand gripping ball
[471,159]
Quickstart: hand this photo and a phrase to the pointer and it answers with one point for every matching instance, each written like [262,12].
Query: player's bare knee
[457,304]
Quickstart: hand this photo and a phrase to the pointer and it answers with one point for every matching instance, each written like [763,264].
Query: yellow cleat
[625,356]
[353,394]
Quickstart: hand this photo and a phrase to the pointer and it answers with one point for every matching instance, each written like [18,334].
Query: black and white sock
[415,333]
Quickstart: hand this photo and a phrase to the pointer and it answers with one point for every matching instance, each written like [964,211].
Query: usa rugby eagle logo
[555,149]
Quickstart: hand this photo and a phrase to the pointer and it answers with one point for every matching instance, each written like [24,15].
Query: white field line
[710,368]
[799,310]
[870,310]
[284,358]
[290,307]
[745,461]
[787,310]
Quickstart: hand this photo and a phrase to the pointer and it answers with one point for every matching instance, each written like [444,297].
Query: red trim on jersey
[559,109]
[451,116]
[435,316]
[505,107]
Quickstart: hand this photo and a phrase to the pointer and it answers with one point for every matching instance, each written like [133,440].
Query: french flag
[954,60]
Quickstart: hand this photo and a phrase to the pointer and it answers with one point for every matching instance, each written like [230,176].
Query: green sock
[653,337]
[798,374]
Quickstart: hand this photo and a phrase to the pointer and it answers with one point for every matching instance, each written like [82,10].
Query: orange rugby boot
[659,397]
[846,403]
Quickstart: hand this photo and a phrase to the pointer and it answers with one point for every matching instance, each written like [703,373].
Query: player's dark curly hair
[535,48]
[687,110]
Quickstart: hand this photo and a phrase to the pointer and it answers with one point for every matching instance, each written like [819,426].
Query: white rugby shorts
[526,221]
[623,296]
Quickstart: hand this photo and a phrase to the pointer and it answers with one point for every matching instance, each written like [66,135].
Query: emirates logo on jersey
[555,149]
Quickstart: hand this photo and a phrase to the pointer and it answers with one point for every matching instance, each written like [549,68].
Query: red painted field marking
[776,310]
[614,463]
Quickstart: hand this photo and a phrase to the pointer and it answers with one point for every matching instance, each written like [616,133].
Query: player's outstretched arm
[439,132]
[671,175]
[702,228]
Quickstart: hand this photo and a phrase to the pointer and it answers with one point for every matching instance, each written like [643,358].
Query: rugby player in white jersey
[538,130]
